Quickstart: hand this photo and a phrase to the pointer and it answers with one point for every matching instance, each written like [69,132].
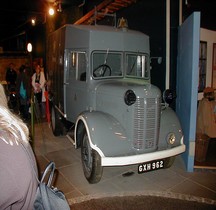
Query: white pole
[167,43]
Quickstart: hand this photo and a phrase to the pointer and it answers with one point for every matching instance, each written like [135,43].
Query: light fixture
[51,11]
[33,21]
[36,18]
[29,47]
[122,23]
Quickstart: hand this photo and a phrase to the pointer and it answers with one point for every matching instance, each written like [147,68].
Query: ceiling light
[51,11]
[29,47]
[33,21]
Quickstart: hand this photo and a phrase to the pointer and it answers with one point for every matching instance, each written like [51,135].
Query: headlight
[169,96]
[171,138]
[129,97]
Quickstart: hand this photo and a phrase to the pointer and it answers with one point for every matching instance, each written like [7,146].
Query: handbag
[48,197]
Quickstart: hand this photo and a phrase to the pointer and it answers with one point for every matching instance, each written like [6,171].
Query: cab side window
[81,74]
[78,66]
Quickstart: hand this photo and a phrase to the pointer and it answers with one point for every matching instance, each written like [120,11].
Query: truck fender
[170,124]
[105,133]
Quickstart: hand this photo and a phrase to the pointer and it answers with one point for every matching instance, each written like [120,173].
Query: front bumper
[142,158]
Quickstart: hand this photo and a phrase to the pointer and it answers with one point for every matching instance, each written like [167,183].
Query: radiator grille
[146,123]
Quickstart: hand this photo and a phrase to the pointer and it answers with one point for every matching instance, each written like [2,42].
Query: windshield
[107,64]
[137,65]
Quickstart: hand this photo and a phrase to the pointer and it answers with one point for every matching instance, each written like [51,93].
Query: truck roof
[100,28]
[98,37]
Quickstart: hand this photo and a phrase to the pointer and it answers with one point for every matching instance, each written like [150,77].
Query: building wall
[209,37]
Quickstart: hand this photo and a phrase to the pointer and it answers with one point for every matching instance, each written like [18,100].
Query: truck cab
[99,81]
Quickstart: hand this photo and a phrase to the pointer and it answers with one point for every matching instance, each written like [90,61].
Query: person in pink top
[18,169]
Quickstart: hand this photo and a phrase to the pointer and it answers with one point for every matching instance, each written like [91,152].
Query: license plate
[150,166]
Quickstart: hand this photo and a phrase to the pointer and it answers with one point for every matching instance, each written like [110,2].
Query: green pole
[32,118]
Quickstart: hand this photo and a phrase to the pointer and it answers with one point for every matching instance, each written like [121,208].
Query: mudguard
[169,124]
[109,139]
[105,133]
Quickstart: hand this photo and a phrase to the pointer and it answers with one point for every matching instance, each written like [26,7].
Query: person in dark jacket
[11,76]
[23,90]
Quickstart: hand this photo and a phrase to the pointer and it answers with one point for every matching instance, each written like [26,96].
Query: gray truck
[100,87]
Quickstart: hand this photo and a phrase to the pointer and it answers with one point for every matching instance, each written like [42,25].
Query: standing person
[38,84]
[23,92]
[18,170]
[11,76]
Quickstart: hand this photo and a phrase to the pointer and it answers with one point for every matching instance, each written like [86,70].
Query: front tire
[56,124]
[91,161]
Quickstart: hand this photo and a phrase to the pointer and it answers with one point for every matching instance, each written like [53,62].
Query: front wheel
[91,161]
[56,124]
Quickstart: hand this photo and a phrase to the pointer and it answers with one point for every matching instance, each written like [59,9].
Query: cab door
[75,85]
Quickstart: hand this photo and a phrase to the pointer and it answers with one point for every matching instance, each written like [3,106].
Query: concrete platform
[174,181]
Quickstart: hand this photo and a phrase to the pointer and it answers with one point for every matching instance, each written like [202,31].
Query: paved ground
[141,202]
[174,182]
